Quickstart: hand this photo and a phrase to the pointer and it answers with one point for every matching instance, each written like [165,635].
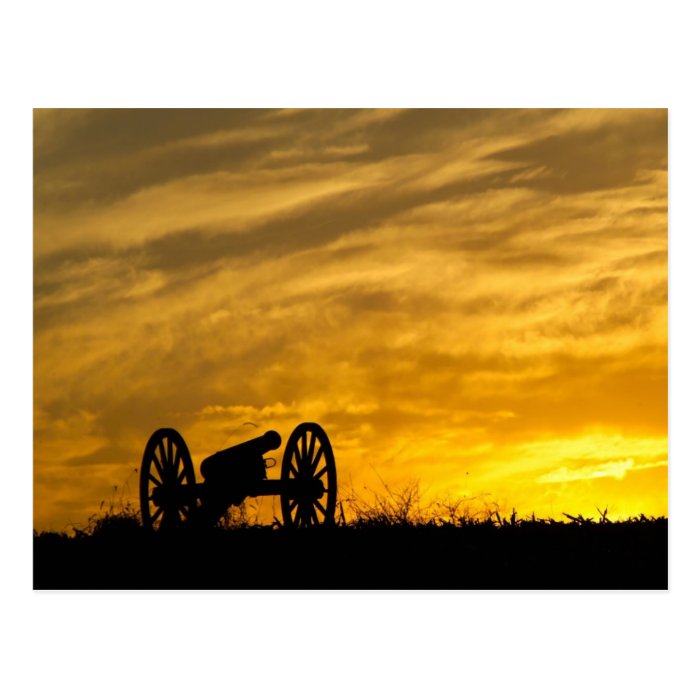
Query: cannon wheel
[167,467]
[308,457]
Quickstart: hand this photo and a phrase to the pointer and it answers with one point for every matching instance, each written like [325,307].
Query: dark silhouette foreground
[532,555]
[171,496]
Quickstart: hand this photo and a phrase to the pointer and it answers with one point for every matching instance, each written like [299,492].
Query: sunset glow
[474,299]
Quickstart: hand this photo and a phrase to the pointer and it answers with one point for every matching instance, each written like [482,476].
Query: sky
[474,301]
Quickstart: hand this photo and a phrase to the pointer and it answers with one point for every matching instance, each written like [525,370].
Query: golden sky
[476,299]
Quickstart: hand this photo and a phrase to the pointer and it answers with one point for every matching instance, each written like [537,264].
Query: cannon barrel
[248,454]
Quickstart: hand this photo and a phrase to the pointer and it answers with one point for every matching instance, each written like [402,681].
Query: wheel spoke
[158,511]
[314,517]
[293,510]
[159,469]
[297,516]
[304,448]
[169,450]
[310,453]
[321,473]
[297,456]
[317,459]
[162,460]
[292,469]
[318,505]
[153,479]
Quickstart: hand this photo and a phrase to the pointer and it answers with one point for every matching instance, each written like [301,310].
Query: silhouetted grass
[391,542]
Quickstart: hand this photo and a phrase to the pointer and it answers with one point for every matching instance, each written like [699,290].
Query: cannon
[171,497]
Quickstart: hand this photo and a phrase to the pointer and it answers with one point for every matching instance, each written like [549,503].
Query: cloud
[607,470]
[603,157]
[426,284]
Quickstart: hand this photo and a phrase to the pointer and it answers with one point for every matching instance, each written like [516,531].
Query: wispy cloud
[448,286]
[605,470]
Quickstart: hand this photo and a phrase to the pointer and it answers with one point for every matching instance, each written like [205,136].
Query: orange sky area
[474,299]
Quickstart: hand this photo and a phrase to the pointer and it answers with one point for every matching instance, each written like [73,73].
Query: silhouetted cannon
[171,496]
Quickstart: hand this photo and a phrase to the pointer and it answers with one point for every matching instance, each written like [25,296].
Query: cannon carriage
[172,498]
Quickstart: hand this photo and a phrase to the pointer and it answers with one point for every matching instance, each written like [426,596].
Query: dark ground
[626,555]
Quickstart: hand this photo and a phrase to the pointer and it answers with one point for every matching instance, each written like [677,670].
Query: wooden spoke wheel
[309,478]
[167,481]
